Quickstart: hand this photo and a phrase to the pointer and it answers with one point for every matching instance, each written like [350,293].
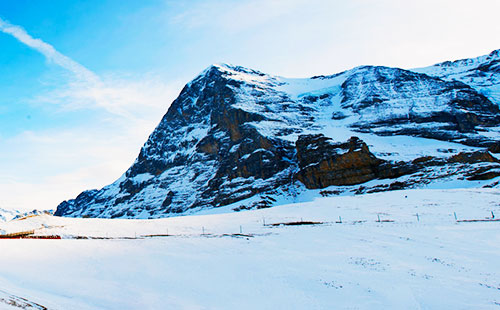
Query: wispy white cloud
[128,98]
[49,52]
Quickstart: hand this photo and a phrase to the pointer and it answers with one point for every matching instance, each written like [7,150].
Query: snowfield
[366,252]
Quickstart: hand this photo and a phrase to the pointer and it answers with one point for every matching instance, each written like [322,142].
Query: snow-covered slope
[239,137]
[417,256]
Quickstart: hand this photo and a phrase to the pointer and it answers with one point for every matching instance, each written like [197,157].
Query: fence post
[418,218]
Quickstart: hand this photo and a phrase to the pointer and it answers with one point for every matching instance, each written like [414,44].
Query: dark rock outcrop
[473,158]
[494,147]
[323,163]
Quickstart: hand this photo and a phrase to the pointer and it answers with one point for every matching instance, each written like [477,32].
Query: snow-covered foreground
[430,263]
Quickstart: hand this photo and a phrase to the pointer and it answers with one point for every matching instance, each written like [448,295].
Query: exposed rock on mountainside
[323,163]
[235,133]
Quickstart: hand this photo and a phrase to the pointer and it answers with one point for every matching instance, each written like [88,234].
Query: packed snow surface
[369,252]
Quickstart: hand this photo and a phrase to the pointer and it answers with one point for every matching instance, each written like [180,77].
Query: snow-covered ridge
[461,65]
[482,73]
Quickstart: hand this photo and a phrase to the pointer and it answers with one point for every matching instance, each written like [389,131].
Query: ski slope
[433,262]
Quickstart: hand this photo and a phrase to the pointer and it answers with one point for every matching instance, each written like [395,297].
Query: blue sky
[83,83]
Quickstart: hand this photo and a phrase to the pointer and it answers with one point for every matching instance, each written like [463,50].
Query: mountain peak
[235,73]
[232,71]
[229,68]
[495,54]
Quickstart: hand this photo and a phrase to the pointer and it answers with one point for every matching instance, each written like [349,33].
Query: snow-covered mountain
[240,138]
[7,215]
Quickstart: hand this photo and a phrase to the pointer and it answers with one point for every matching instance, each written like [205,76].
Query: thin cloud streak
[49,52]
[86,89]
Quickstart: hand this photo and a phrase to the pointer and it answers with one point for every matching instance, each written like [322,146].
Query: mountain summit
[240,138]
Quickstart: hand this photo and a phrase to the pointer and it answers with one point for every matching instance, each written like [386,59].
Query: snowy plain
[234,261]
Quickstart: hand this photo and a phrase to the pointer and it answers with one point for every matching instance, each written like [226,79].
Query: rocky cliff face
[234,134]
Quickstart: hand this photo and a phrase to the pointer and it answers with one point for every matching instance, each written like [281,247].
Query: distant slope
[6,215]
